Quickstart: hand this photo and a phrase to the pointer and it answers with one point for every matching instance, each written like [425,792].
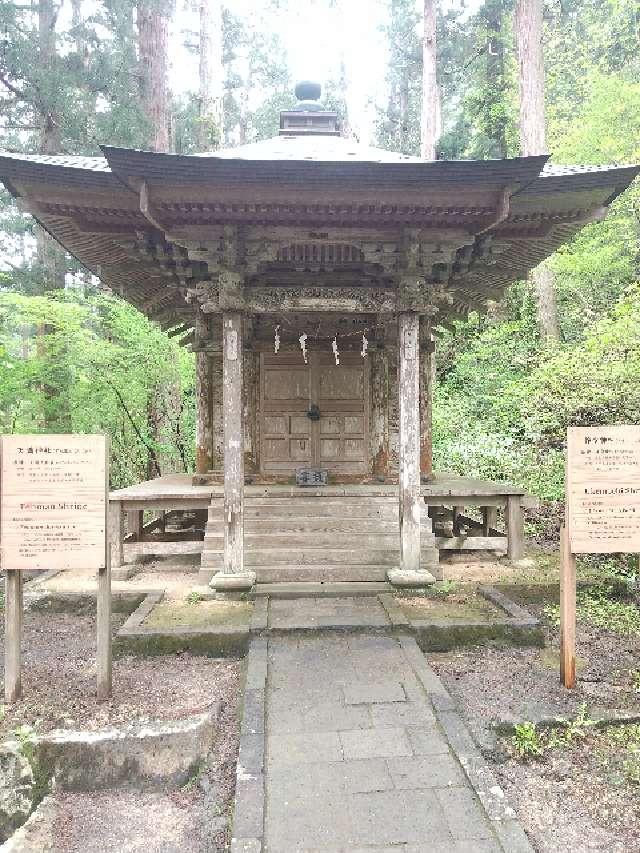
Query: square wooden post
[515,527]
[567,611]
[13,636]
[204,402]
[116,533]
[427,375]
[409,573]
[233,576]
[135,524]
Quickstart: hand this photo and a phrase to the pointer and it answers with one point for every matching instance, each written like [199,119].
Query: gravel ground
[58,681]
[573,800]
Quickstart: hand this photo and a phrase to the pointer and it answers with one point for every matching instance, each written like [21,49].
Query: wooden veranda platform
[446,495]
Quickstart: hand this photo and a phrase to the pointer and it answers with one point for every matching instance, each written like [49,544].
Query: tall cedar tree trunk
[51,257]
[496,74]
[430,99]
[211,124]
[153,27]
[528,32]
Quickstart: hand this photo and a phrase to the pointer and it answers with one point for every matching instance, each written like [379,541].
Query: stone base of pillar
[233,581]
[409,578]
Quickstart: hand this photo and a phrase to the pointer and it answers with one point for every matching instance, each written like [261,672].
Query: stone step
[315,557]
[320,589]
[312,539]
[314,510]
[317,525]
[326,573]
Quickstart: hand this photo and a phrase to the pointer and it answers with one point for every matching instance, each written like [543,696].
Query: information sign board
[54,502]
[603,489]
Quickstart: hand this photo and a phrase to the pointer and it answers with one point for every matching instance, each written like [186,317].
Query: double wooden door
[315,414]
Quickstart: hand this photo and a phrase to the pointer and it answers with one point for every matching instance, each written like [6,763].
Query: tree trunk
[153,28]
[496,119]
[543,281]
[51,257]
[430,99]
[211,124]
[528,32]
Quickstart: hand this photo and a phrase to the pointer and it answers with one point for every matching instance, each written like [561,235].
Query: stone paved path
[356,759]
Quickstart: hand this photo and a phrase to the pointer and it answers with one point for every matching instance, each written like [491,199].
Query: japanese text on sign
[603,489]
[53,501]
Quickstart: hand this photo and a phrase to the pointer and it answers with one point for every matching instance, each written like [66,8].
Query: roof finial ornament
[309,115]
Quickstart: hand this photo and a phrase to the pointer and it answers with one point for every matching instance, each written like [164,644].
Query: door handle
[314,413]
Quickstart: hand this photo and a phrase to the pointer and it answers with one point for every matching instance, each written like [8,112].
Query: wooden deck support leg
[116,533]
[233,577]
[135,523]
[13,636]
[515,528]
[409,573]
[489,519]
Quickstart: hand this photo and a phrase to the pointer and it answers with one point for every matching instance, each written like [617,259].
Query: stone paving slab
[356,756]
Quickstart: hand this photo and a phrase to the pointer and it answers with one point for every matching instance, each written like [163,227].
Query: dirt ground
[581,797]
[59,680]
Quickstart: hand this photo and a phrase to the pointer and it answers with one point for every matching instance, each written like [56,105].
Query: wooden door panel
[341,383]
[289,439]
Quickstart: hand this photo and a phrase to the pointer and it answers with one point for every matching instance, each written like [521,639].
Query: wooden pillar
[204,403]
[13,636]
[515,527]
[379,425]
[489,519]
[135,524]
[104,651]
[427,376]
[409,441]
[116,533]
[233,576]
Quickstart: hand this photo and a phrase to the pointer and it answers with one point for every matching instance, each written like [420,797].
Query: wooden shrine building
[308,273]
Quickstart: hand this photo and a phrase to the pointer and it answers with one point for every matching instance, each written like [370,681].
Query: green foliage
[194,597]
[621,753]
[98,365]
[596,606]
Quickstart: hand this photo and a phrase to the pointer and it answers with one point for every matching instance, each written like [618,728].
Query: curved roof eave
[148,166]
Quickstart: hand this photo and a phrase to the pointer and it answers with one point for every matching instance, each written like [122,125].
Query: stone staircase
[318,538]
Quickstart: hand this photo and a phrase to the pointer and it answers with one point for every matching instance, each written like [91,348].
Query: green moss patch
[200,614]
[466,604]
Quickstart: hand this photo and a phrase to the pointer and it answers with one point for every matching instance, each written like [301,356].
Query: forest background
[77,73]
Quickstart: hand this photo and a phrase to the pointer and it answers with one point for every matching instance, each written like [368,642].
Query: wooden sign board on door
[54,502]
[603,489]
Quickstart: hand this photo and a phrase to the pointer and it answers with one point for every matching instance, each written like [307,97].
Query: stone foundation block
[233,582]
[408,578]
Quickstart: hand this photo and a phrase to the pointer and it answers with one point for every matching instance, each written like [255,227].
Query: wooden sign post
[53,515]
[602,513]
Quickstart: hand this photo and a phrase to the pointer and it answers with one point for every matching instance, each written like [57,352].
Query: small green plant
[527,741]
[635,679]
[571,730]
[445,588]
[191,783]
[194,597]
[27,736]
